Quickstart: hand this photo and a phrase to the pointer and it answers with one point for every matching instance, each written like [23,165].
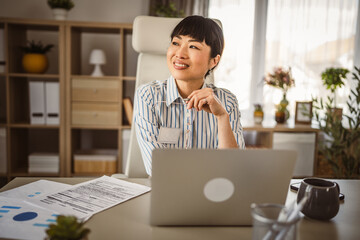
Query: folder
[3,163]
[37,102]
[52,98]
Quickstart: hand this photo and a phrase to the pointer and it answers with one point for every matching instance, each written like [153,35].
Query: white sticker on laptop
[169,135]
[219,189]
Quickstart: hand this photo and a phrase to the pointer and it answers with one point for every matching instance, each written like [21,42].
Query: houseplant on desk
[67,228]
[341,146]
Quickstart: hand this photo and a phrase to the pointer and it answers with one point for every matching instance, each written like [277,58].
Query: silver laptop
[216,187]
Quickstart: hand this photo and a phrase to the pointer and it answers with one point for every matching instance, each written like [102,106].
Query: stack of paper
[43,163]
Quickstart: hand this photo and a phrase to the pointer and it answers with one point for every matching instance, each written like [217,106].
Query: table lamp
[97,57]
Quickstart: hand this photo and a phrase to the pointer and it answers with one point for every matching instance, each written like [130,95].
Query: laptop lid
[216,187]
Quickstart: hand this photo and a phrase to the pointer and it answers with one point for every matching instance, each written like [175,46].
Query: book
[128,109]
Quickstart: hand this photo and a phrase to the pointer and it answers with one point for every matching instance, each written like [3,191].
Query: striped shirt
[163,121]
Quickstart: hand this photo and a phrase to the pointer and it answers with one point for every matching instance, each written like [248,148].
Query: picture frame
[303,112]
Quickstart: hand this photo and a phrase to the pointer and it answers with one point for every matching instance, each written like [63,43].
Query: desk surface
[129,220]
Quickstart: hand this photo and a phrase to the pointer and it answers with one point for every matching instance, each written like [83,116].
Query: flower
[280,79]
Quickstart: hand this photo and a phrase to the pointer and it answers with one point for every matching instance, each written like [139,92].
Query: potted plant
[333,79]
[168,10]
[34,59]
[282,79]
[60,8]
[341,144]
[67,228]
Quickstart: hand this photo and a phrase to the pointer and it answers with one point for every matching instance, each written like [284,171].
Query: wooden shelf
[92,77]
[68,60]
[90,174]
[30,22]
[26,174]
[95,127]
[32,75]
[26,125]
[129,78]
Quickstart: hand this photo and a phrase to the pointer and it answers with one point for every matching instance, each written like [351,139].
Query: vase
[283,104]
[280,116]
[35,63]
[258,114]
[60,13]
[258,117]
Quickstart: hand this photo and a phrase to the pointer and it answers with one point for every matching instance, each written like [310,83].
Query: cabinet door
[304,144]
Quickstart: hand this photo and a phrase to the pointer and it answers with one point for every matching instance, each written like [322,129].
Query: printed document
[20,220]
[85,199]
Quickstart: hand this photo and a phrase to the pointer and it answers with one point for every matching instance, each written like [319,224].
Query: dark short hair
[201,28]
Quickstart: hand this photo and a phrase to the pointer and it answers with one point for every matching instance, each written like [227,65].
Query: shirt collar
[172,92]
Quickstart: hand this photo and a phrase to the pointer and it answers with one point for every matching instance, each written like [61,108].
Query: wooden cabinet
[287,136]
[91,112]
[94,104]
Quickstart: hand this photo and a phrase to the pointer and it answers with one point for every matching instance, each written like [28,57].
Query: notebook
[216,187]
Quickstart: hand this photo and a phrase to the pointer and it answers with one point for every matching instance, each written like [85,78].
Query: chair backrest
[151,38]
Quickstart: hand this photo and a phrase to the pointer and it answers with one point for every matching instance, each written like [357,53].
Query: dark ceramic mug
[323,202]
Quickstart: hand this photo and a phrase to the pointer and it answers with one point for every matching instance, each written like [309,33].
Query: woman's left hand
[205,99]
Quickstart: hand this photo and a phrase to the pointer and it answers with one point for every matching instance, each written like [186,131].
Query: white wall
[84,10]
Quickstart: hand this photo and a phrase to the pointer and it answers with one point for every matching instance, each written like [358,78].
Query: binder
[52,99]
[37,102]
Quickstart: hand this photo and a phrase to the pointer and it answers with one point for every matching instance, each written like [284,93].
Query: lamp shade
[97,56]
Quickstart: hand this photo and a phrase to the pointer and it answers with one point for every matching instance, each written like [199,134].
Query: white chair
[151,38]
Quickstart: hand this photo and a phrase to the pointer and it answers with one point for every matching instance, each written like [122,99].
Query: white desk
[129,220]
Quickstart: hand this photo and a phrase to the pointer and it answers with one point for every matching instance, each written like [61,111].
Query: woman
[184,111]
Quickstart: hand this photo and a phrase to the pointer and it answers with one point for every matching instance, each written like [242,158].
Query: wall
[84,10]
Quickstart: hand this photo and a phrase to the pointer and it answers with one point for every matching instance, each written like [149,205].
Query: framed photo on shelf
[303,112]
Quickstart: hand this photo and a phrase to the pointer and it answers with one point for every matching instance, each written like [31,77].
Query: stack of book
[43,163]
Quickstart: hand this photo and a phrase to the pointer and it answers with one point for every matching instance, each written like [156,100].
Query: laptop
[216,187]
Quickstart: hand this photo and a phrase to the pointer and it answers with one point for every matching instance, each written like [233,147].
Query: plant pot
[279,117]
[336,114]
[60,13]
[35,63]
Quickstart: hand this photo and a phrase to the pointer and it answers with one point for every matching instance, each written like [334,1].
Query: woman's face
[189,59]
